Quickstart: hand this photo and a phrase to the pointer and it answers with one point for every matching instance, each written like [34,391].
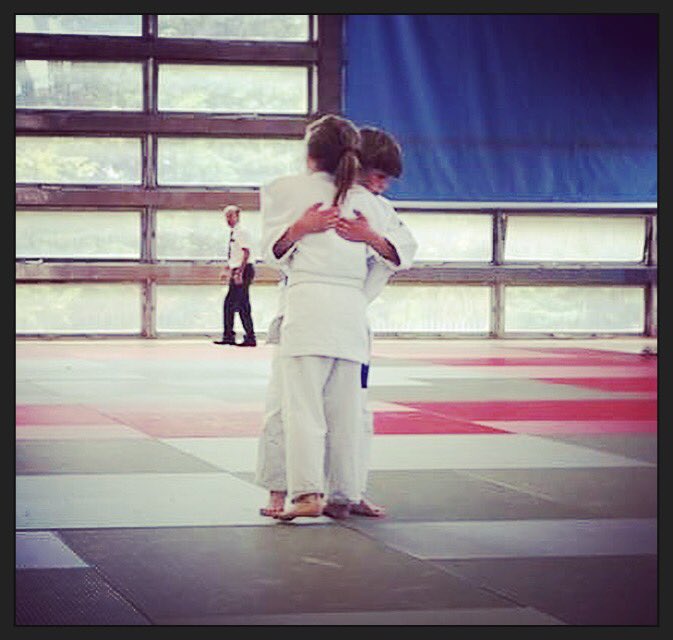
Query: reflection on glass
[78,160]
[78,234]
[62,84]
[235,27]
[78,308]
[569,238]
[233,89]
[201,235]
[227,161]
[431,309]
[451,236]
[575,309]
[91,24]
[198,308]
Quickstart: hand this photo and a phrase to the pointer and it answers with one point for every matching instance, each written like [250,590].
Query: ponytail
[345,174]
[334,144]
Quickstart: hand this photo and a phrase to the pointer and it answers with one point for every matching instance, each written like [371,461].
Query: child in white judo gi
[381,158]
[324,333]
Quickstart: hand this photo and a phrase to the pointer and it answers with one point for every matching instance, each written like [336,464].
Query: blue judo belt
[364,374]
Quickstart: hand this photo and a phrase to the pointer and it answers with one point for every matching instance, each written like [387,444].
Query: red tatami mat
[608,384]
[555,361]
[576,427]
[60,414]
[192,424]
[412,422]
[541,410]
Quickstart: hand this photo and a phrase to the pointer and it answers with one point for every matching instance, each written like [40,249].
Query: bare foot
[336,511]
[276,504]
[309,505]
[367,508]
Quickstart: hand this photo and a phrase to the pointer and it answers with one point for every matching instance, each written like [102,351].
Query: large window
[77,308]
[579,239]
[432,309]
[78,234]
[451,236]
[574,309]
[198,308]
[67,84]
[113,25]
[233,89]
[227,161]
[200,235]
[78,160]
[235,27]
[133,132]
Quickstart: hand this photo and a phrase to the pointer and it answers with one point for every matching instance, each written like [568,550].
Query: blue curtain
[511,107]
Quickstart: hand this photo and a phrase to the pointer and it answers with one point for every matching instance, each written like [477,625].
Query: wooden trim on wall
[120,197]
[58,122]
[330,63]
[124,48]
[209,272]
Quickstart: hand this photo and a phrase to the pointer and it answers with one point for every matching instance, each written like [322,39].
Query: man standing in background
[241,274]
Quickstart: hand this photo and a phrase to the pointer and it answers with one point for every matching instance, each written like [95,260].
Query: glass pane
[431,308]
[451,236]
[233,89]
[198,308]
[78,234]
[76,160]
[62,84]
[78,308]
[575,309]
[580,239]
[235,27]
[228,161]
[92,24]
[201,235]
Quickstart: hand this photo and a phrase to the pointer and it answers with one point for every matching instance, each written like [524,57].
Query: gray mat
[195,573]
[70,597]
[632,445]
[104,456]
[578,591]
[615,492]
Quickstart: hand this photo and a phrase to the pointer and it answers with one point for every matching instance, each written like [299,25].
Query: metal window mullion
[150,26]
[497,309]
[149,325]
[148,255]
[148,252]
[499,221]
[499,230]
[647,242]
[312,27]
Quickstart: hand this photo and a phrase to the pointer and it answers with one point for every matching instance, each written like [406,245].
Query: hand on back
[354,229]
[315,220]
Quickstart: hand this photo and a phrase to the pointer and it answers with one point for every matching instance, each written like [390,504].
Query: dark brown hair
[380,151]
[334,144]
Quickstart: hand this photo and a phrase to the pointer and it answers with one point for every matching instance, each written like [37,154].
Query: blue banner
[548,108]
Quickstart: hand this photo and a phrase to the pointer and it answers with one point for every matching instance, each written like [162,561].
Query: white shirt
[239,239]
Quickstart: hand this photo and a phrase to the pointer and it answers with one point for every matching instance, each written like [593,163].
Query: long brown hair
[334,143]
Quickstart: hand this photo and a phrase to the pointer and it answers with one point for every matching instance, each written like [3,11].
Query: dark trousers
[238,299]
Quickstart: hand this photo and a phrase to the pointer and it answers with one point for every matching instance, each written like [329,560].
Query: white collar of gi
[323,175]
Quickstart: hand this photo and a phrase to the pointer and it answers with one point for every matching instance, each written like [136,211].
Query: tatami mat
[520,480]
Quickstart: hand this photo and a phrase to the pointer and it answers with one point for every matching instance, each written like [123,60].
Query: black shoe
[223,341]
[247,343]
